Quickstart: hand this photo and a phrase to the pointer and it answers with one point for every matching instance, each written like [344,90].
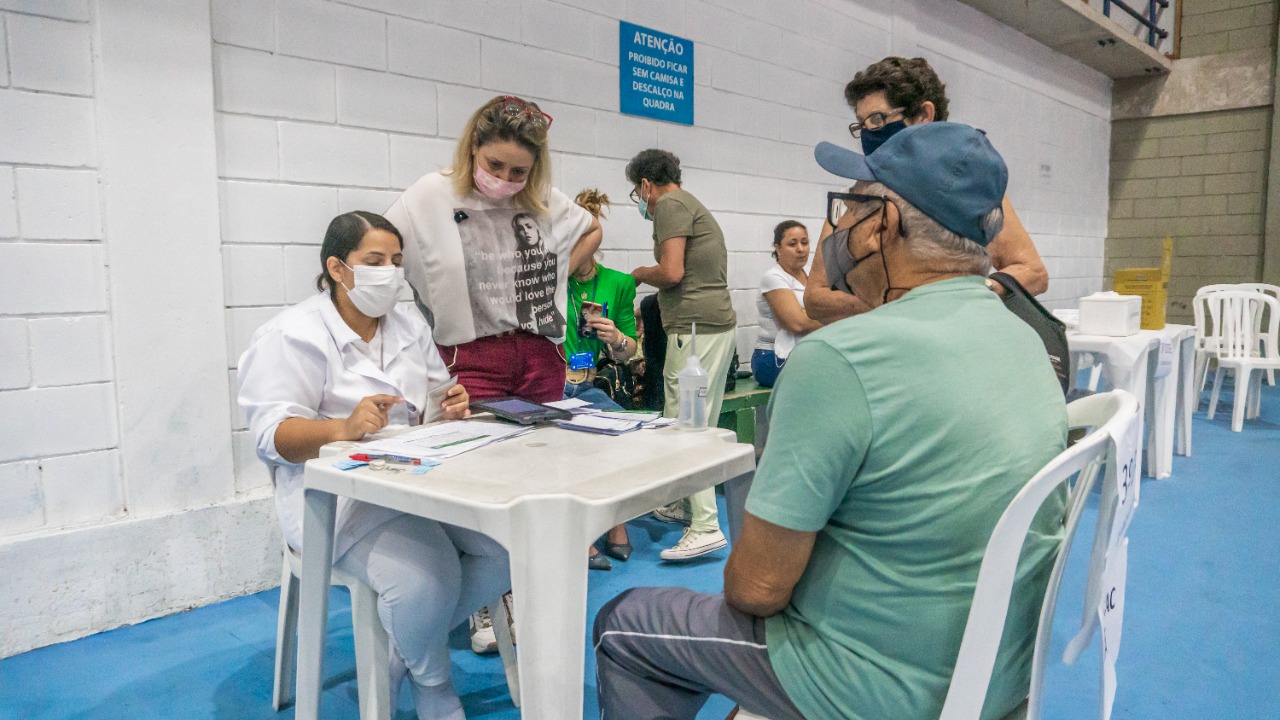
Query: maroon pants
[520,364]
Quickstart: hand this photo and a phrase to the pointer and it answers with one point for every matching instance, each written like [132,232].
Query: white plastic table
[544,496]
[1167,401]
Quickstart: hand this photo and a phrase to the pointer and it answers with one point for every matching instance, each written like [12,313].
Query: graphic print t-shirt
[479,267]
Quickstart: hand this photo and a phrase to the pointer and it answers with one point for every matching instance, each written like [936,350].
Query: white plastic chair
[1244,346]
[1273,291]
[1111,415]
[373,680]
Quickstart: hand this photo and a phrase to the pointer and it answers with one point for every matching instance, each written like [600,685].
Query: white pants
[429,577]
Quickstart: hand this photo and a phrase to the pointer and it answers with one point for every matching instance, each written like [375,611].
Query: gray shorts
[661,652]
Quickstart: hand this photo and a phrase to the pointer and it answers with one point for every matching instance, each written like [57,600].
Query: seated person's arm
[300,439]
[823,304]
[790,316]
[670,268]
[1013,252]
[765,565]
[584,250]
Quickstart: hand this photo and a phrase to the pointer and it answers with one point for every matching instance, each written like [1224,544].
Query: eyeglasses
[635,195]
[840,203]
[513,106]
[874,121]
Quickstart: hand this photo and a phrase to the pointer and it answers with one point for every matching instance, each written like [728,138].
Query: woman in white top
[344,363]
[781,302]
[489,245]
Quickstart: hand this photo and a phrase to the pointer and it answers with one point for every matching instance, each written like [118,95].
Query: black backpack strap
[1052,331]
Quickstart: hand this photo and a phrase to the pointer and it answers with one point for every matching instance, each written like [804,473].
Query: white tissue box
[1108,313]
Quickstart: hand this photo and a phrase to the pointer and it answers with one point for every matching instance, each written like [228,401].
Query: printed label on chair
[1111,618]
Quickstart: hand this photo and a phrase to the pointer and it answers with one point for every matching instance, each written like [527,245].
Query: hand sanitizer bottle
[693,383]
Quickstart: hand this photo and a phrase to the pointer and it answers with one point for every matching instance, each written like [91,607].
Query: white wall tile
[66,9]
[338,156]
[622,136]
[374,201]
[70,351]
[23,506]
[241,324]
[247,147]
[416,9]
[301,266]
[46,129]
[248,23]
[386,102]
[331,32]
[251,473]
[58,421]
[15,363]
[252,274]
[258,83]
[8,204]
[81,488]
[456,105]
[59,204]
[254,212]
[510,68]
[4,54]
[50,55]
[433,52]
[413,157]
[488,18]
[555,26]
[54,279]
[573,128]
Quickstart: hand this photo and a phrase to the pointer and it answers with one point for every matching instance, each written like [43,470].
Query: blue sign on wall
[655,74]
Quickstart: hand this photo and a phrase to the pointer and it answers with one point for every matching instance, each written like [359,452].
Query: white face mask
[377,287]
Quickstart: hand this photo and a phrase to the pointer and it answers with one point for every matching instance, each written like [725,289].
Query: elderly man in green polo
[897,439]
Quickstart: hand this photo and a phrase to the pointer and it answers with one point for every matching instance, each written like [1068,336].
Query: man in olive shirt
[897,439]
[693,289]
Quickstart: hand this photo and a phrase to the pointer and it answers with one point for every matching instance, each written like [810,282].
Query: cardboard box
[1150,284]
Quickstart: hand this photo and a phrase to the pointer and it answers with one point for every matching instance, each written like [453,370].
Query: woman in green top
[591,339]
[609,336]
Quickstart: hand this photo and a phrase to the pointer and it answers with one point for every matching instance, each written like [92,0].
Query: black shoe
[620,551]
[599,562]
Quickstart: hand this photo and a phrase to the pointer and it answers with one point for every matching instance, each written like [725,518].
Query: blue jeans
[590,394]
[765,366]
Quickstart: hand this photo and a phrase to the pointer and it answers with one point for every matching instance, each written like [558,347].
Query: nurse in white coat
[344,363]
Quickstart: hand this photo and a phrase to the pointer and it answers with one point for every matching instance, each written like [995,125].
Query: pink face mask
[495,188]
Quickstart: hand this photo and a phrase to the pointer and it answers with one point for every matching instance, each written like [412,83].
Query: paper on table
[600,424]
[568,404]
[443,440]
[631,416]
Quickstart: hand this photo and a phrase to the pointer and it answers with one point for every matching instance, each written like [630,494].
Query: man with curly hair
[886,97]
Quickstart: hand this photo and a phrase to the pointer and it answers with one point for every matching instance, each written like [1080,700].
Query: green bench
[738,412]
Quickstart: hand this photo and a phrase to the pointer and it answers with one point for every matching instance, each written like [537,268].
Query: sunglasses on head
[512,106]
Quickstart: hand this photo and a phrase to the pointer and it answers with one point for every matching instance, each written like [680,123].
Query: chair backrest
[1111,415]
[1240,313]
[1208,328]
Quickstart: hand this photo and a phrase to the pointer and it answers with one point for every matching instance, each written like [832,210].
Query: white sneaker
[483,639]
[673,513]
[694,544]
[509,602]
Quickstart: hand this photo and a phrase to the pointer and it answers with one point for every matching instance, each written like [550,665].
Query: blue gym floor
[1201,633]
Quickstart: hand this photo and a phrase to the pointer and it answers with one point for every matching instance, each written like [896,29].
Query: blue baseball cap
[949,171]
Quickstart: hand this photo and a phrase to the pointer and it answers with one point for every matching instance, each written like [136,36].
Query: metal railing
[1148,20]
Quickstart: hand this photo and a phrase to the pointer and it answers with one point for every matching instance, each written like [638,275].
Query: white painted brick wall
[247,147]
[333,155]
[383,101]
[331,32]
[55,204]
[59,420]
[247,23]
[8,204]
[64,9]
[258,83]
[23,506]
[15,360]
[50,55]
[81,488]
[434,52]
[53,279]
[252,275]
[70,350]
[254,212]
[45,129]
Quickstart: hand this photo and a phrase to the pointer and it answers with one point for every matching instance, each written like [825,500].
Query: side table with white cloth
[545,496]
[1163,383]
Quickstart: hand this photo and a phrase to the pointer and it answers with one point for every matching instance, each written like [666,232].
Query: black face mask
[872,139]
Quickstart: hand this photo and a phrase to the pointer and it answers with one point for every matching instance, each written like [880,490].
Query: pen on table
[458,442]
[389,458]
